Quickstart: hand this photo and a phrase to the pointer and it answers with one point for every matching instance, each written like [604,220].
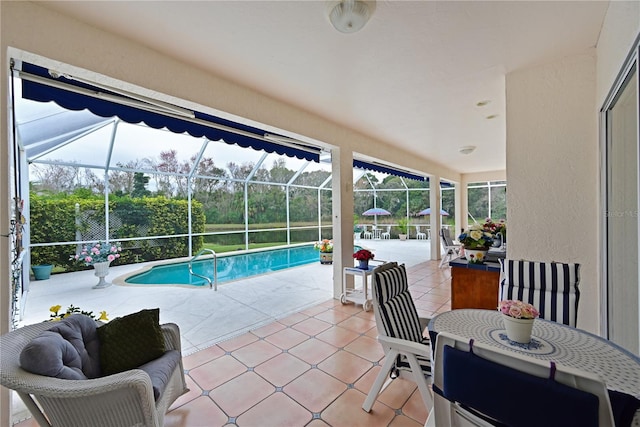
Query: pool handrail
[215,268]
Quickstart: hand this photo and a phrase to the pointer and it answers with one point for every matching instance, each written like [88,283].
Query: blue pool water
[230,267]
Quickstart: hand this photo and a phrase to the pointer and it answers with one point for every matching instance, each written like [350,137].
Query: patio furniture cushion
[552,287]
[69,350]
[130,341]
[397,310]
[160,371]
[508,395]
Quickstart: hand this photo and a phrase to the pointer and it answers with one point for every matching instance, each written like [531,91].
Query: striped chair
[551,287]
[407,351]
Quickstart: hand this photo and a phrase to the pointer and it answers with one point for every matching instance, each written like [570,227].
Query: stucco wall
[552,170]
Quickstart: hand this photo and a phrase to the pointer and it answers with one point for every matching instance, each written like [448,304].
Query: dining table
[562,344]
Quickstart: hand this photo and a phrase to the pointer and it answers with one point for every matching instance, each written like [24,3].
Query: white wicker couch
[123,399]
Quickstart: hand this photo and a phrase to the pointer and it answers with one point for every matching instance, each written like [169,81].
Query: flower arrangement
[325,245]
[518,309]
[363,255]
[476,238]
[99,252]
[495,227]
[56,315]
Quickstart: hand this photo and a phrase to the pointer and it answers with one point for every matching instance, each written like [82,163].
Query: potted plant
[326,251]
[403,228]
[42,271]
[518,319]
[498,230]
[363,256]
[99,255]
[476,243]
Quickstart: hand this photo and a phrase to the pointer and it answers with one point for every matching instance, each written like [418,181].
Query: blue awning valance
[384,169]
[85,96]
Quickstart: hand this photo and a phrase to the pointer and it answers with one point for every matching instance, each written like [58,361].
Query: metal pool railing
[215,268]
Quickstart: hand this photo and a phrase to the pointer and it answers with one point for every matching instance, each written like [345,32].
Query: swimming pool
[230,267]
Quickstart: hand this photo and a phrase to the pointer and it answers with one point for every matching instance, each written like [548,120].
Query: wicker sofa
[121,399]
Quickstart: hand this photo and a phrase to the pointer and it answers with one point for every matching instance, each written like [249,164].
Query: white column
[435,224]
[342,213]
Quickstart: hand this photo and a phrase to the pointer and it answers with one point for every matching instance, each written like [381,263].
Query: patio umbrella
[375,212]
[428,212]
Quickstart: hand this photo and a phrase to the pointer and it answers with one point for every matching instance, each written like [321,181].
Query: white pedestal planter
[102,271]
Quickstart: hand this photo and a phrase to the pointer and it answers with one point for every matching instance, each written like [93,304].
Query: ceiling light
[349,16]
[467,149]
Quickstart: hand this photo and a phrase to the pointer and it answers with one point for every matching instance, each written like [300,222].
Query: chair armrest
[405,346]
[125,398]
[171,333]
[39,385]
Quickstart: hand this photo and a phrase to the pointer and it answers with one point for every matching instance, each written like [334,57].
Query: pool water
[230,267]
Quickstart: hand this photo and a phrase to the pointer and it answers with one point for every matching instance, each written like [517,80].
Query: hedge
[54,220]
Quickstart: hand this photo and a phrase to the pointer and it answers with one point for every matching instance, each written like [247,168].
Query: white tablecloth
[563,344]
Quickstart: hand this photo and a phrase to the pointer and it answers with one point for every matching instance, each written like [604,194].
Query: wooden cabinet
[474,286]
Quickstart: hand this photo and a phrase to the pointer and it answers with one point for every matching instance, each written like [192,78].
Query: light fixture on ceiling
[467,149]
[349,16]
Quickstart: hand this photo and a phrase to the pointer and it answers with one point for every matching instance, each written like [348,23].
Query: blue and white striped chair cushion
[398,312]
[551,287]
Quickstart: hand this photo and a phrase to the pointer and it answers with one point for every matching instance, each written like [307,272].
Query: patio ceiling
[426,76]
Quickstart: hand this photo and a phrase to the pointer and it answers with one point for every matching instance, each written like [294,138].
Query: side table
[362,294]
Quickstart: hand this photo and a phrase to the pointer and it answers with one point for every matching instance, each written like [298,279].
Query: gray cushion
[69,350]
[160,370]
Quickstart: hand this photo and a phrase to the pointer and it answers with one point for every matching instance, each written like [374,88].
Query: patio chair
[71,391]
[386,234]
[366,234]
[550,286]
[407,351]
[480,385]
[450,250]
[419,234]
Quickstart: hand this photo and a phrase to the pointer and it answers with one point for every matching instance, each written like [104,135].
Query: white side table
[362,294]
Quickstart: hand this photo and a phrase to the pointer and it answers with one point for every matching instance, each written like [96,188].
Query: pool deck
[207,317]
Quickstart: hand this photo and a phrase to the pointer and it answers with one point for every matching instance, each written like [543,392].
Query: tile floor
[312,368]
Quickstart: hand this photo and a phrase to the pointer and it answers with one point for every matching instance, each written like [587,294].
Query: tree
[140,185]
[55,177]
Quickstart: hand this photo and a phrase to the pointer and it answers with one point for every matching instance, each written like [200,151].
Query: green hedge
[54,220]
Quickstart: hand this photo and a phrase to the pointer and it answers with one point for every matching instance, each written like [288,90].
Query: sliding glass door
[621,219]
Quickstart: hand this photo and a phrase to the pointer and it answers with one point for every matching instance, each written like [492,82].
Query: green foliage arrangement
[403,225]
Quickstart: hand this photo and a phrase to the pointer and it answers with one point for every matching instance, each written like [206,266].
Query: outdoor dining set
[563,375]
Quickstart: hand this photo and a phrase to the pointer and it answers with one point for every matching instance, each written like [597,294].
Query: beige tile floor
[310,367]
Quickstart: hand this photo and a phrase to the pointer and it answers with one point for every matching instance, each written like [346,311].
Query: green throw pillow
[130,341]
